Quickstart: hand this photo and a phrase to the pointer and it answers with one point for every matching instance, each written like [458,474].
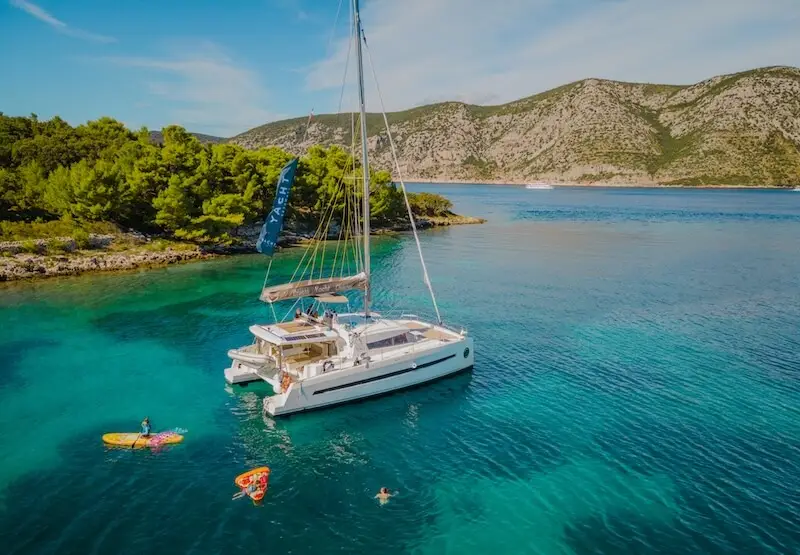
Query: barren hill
[740,129]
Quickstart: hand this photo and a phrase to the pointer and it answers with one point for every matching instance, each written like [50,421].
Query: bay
[636,390]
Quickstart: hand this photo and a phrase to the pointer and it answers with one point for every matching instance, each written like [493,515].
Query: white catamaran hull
[382,377]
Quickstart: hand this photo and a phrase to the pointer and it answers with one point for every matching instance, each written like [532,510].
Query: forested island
[99,196]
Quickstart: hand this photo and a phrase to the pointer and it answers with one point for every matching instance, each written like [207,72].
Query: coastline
[594,184]
[140,253]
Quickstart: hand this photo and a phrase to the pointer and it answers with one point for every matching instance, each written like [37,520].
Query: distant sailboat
[315,360]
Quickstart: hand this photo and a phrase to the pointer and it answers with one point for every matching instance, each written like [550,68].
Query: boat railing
[421,315]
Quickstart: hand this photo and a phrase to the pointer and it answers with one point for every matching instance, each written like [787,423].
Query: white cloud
[208,91]
[490,52]
[46,17]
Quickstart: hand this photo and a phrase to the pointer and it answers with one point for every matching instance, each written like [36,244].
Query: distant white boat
[538,185]
[797,189]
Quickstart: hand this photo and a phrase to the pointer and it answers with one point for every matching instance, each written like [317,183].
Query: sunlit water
[636,390]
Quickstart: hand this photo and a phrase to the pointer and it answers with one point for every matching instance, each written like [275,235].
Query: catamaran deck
[298,337]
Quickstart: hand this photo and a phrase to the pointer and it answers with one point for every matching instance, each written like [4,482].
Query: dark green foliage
[81,239]
[69,179]
[65,227]
[429,204]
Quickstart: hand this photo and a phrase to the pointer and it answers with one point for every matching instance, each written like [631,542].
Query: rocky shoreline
[26,260]
[27,266]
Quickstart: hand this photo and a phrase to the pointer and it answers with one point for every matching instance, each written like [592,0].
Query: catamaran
[315,357]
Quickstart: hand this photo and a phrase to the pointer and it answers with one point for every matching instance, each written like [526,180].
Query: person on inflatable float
[257,482]
[146,427]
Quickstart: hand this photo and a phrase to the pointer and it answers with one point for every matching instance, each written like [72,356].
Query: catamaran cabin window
[389,341]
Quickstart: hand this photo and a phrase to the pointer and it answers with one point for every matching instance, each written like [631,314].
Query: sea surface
[636,390]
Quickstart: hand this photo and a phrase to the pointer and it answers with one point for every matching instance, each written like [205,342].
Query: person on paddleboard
[146,427]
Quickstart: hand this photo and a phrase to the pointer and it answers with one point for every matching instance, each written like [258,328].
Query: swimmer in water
[383,496]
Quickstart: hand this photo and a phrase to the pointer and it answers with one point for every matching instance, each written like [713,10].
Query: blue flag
[268,238]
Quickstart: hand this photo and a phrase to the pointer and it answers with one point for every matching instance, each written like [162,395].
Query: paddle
[238,495]
[135,440]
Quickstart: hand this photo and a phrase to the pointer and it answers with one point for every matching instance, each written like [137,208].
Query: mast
[364,160]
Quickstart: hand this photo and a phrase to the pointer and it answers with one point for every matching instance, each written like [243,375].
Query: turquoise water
[636,390]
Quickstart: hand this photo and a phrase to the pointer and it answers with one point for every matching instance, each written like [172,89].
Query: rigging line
[343,222]
[425,276]
[349,238]
[324,238]
[285,316]
[308,249]
[339,109]
[266,277]
[354,215]
[354,220]
[275,316]
[346,223]
[333,32]
[335,24]
[308,123]
[311,246]
[346,66]
[338,244]
[321,235]
[350,225]
[357,229]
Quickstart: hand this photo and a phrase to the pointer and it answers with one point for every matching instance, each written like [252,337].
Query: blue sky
[223,67]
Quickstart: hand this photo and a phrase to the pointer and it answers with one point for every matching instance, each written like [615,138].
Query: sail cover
[268,238]
[313,287]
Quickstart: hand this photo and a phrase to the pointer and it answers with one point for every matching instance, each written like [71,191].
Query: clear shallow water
[636,390]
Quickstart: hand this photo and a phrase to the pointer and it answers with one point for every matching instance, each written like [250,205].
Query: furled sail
[313,287]
[268,238]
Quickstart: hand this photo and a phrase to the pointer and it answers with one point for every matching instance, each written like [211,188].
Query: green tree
[102,172]
[174,205]
[9,189]
[12,131]
[429,204]
[54,143]
[97,194]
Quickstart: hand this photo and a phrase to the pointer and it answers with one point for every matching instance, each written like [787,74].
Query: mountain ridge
[734,129]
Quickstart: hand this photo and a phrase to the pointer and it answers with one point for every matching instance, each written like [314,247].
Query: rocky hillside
[741,129]
[157,138]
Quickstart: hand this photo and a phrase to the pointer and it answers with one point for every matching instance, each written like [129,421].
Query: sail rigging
[365,157]
[314,276]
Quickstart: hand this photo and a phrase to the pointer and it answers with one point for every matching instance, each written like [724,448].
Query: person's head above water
[384,490]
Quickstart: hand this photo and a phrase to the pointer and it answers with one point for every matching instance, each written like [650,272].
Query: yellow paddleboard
[136,441]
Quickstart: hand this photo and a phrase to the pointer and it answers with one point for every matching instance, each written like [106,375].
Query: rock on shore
[22,266]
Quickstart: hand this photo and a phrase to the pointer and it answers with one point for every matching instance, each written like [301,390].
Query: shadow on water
[700,527]
[12,354]
[41,505]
